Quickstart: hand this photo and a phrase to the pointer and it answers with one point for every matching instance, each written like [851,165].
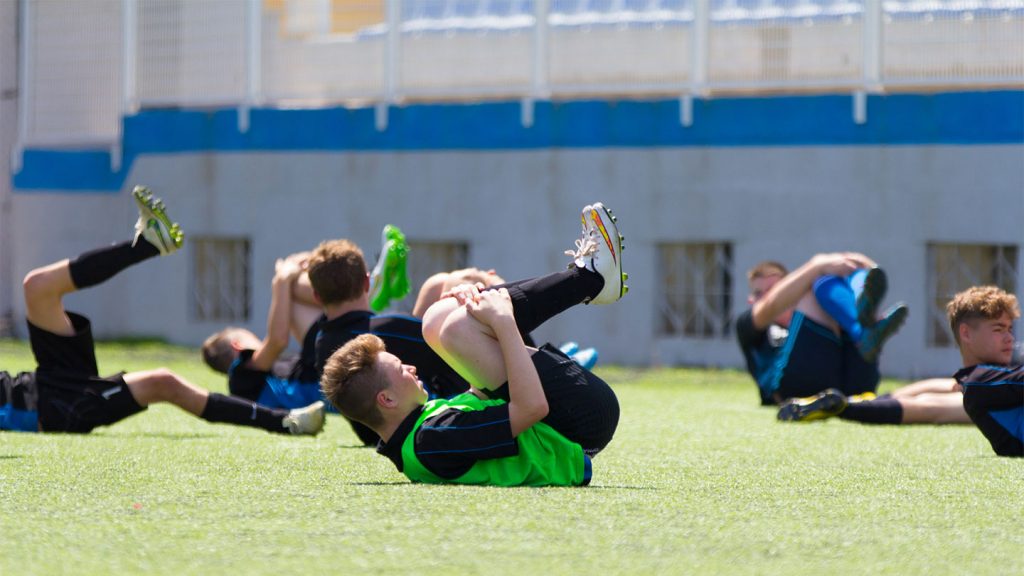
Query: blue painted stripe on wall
[995,117]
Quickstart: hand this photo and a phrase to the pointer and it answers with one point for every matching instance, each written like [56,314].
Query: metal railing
[85,64]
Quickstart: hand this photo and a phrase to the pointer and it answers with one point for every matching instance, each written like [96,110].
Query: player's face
[402,378]
[989,341]
[759,287]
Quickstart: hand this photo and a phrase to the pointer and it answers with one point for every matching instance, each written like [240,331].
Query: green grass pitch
[699,480]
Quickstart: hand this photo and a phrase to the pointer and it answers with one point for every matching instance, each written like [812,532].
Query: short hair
[351,380]
[980,302]
[337,271]
[218,353]
[765,269]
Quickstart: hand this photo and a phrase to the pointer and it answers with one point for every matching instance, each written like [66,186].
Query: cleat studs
[625,276]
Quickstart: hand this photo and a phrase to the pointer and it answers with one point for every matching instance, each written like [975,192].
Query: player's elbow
[538,410]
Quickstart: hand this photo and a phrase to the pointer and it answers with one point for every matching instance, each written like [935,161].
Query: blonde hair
[337,271]
[351,380]
[977,303]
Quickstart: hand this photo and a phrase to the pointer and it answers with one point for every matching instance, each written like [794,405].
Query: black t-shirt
[451,442]
[994,399]
[403,337]
[759,346]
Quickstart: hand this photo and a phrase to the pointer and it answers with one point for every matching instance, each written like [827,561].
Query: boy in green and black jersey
[532,417]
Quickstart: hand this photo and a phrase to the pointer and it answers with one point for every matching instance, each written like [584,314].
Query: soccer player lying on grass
[337,273]
[256,369]
[66,394]
[993,384]
[817,327]
[533,417]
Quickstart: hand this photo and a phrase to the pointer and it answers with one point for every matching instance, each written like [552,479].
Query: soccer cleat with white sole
[153,224]
[389,279]
[307,421]
[600,250]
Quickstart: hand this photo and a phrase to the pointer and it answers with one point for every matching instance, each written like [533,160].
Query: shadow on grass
[10,456]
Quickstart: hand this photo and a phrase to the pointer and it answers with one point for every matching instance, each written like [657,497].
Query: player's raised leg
[46,286]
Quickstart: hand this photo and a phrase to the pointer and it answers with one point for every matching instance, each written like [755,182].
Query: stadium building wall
[777,177]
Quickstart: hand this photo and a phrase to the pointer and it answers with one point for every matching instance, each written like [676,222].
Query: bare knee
[47,283]
[158,385]
[434,320]
[459,328]
[38,283]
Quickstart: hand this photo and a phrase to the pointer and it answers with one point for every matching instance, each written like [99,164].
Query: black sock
[536,300]
[881,410]
[96,266]
[234,410]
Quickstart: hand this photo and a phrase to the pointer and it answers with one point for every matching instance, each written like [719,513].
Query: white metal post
[392,60]
[539,62]
[872,68]
[253,62]
[25,95]
[129,70]
[698,59]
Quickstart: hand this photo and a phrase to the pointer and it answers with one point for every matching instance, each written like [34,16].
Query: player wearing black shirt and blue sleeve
[981,319]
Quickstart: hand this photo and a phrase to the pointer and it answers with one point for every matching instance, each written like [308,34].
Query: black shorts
[72,396]
[581,406]
[814,359]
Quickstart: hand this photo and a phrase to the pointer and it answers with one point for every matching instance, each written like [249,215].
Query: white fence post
[24,84]
[129,69]
[698,59]
[392,59]
[253,62]
[872,68]
[539,62]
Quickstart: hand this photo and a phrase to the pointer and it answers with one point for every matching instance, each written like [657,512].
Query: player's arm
[527,402]
[786,293]
[286,270]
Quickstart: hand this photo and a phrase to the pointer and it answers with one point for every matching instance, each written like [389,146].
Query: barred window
[956,267]
[696,289]
[221,289]
[425,260]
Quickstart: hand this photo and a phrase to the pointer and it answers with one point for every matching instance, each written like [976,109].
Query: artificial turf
[699,480]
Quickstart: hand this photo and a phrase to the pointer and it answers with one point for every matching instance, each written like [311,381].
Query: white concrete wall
[519,212]
[8,136]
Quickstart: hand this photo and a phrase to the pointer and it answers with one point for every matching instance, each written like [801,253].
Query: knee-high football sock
[233,410]
[97,266]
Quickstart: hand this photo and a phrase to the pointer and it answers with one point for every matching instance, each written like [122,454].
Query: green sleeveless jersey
[546,458]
